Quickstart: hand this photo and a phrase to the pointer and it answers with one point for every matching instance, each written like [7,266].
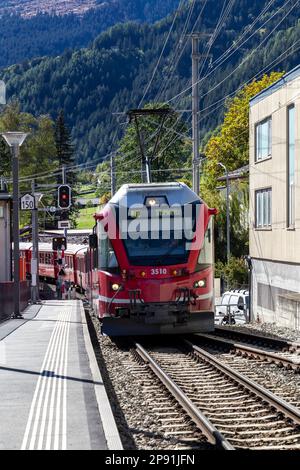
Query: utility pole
[35,249]
[227,208]
[64,181]
[196,56]
[113,173]
[195,112]
[15,141]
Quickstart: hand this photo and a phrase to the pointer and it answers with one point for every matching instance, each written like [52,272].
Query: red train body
[76,263]
[153,269]
[149,283]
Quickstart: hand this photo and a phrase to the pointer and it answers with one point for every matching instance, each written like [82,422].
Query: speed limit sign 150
[27,202]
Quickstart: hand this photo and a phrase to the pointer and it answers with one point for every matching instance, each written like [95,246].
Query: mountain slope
[29,8]
[111,76]
[49,34]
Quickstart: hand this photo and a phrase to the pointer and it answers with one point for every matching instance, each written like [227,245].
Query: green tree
[235,273]
[63,142]
[229,145]
[37,155]
[66,159]
[103,182]
[4,159]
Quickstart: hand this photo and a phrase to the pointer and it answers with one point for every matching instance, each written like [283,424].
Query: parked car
[235,302]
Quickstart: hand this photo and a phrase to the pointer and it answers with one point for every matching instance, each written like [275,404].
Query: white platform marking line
[56,411]
[36,392]
[51,386]
[45,382]
[64,420]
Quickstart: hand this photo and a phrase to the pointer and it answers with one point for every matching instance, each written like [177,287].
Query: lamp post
[35,288]
[227,210]
[249,264]
[15,141]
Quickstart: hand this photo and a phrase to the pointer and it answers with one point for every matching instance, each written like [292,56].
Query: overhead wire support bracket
[134,115]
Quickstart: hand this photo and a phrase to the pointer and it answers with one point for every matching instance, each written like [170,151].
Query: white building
[274,197]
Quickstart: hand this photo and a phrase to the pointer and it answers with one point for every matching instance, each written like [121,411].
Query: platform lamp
[15,140]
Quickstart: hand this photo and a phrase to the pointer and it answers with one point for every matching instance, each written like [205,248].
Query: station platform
[52,395]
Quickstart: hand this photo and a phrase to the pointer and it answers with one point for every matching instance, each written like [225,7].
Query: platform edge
[108,421]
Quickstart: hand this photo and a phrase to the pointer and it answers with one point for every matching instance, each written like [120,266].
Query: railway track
[258,339]
[232,411]
[279,352]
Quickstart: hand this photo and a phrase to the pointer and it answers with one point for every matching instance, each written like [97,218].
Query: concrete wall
[7,299]
[275,293]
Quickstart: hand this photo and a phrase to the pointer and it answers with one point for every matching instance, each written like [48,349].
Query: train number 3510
[158,271]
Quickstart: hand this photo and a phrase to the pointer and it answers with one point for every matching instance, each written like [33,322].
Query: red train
[155,261]
[150,268]
[76,258]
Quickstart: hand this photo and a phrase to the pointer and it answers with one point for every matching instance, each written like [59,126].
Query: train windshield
[161,239]
[159,252]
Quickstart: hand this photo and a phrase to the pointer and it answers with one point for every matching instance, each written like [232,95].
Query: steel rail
[254,352]
[208,429]
[278,403]
[258,337]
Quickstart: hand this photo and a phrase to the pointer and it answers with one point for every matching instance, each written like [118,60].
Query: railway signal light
[59,243]
[64,196]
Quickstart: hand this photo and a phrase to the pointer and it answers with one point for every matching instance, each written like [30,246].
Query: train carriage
[75,263]
[155,278]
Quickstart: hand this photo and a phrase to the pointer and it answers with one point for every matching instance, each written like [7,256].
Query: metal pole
[250,267]
[16,231]
[113,174]
[195,111]
[227,208]
[148,171]
[228,215]
[64,181]
[35,251]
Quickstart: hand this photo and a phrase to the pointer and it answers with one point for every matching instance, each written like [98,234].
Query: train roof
[175,193]
[72,249]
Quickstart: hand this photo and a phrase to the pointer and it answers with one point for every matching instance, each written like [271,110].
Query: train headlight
[201,283]
[152,202]
[115,287]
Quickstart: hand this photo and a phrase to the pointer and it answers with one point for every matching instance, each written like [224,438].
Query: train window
[206,257]
[107,258]
[81,264]
[112,259]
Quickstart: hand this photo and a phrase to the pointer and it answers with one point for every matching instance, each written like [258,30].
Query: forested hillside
[249,37]
[50,34]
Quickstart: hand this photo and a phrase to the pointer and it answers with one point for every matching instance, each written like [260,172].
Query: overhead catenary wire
[249,28]
[78,167]
[161,54]
[252,52]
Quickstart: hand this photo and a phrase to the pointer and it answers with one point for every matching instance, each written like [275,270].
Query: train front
[155,262]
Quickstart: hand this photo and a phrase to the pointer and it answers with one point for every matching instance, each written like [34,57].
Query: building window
[263,136]
[291,167]
[263,208]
